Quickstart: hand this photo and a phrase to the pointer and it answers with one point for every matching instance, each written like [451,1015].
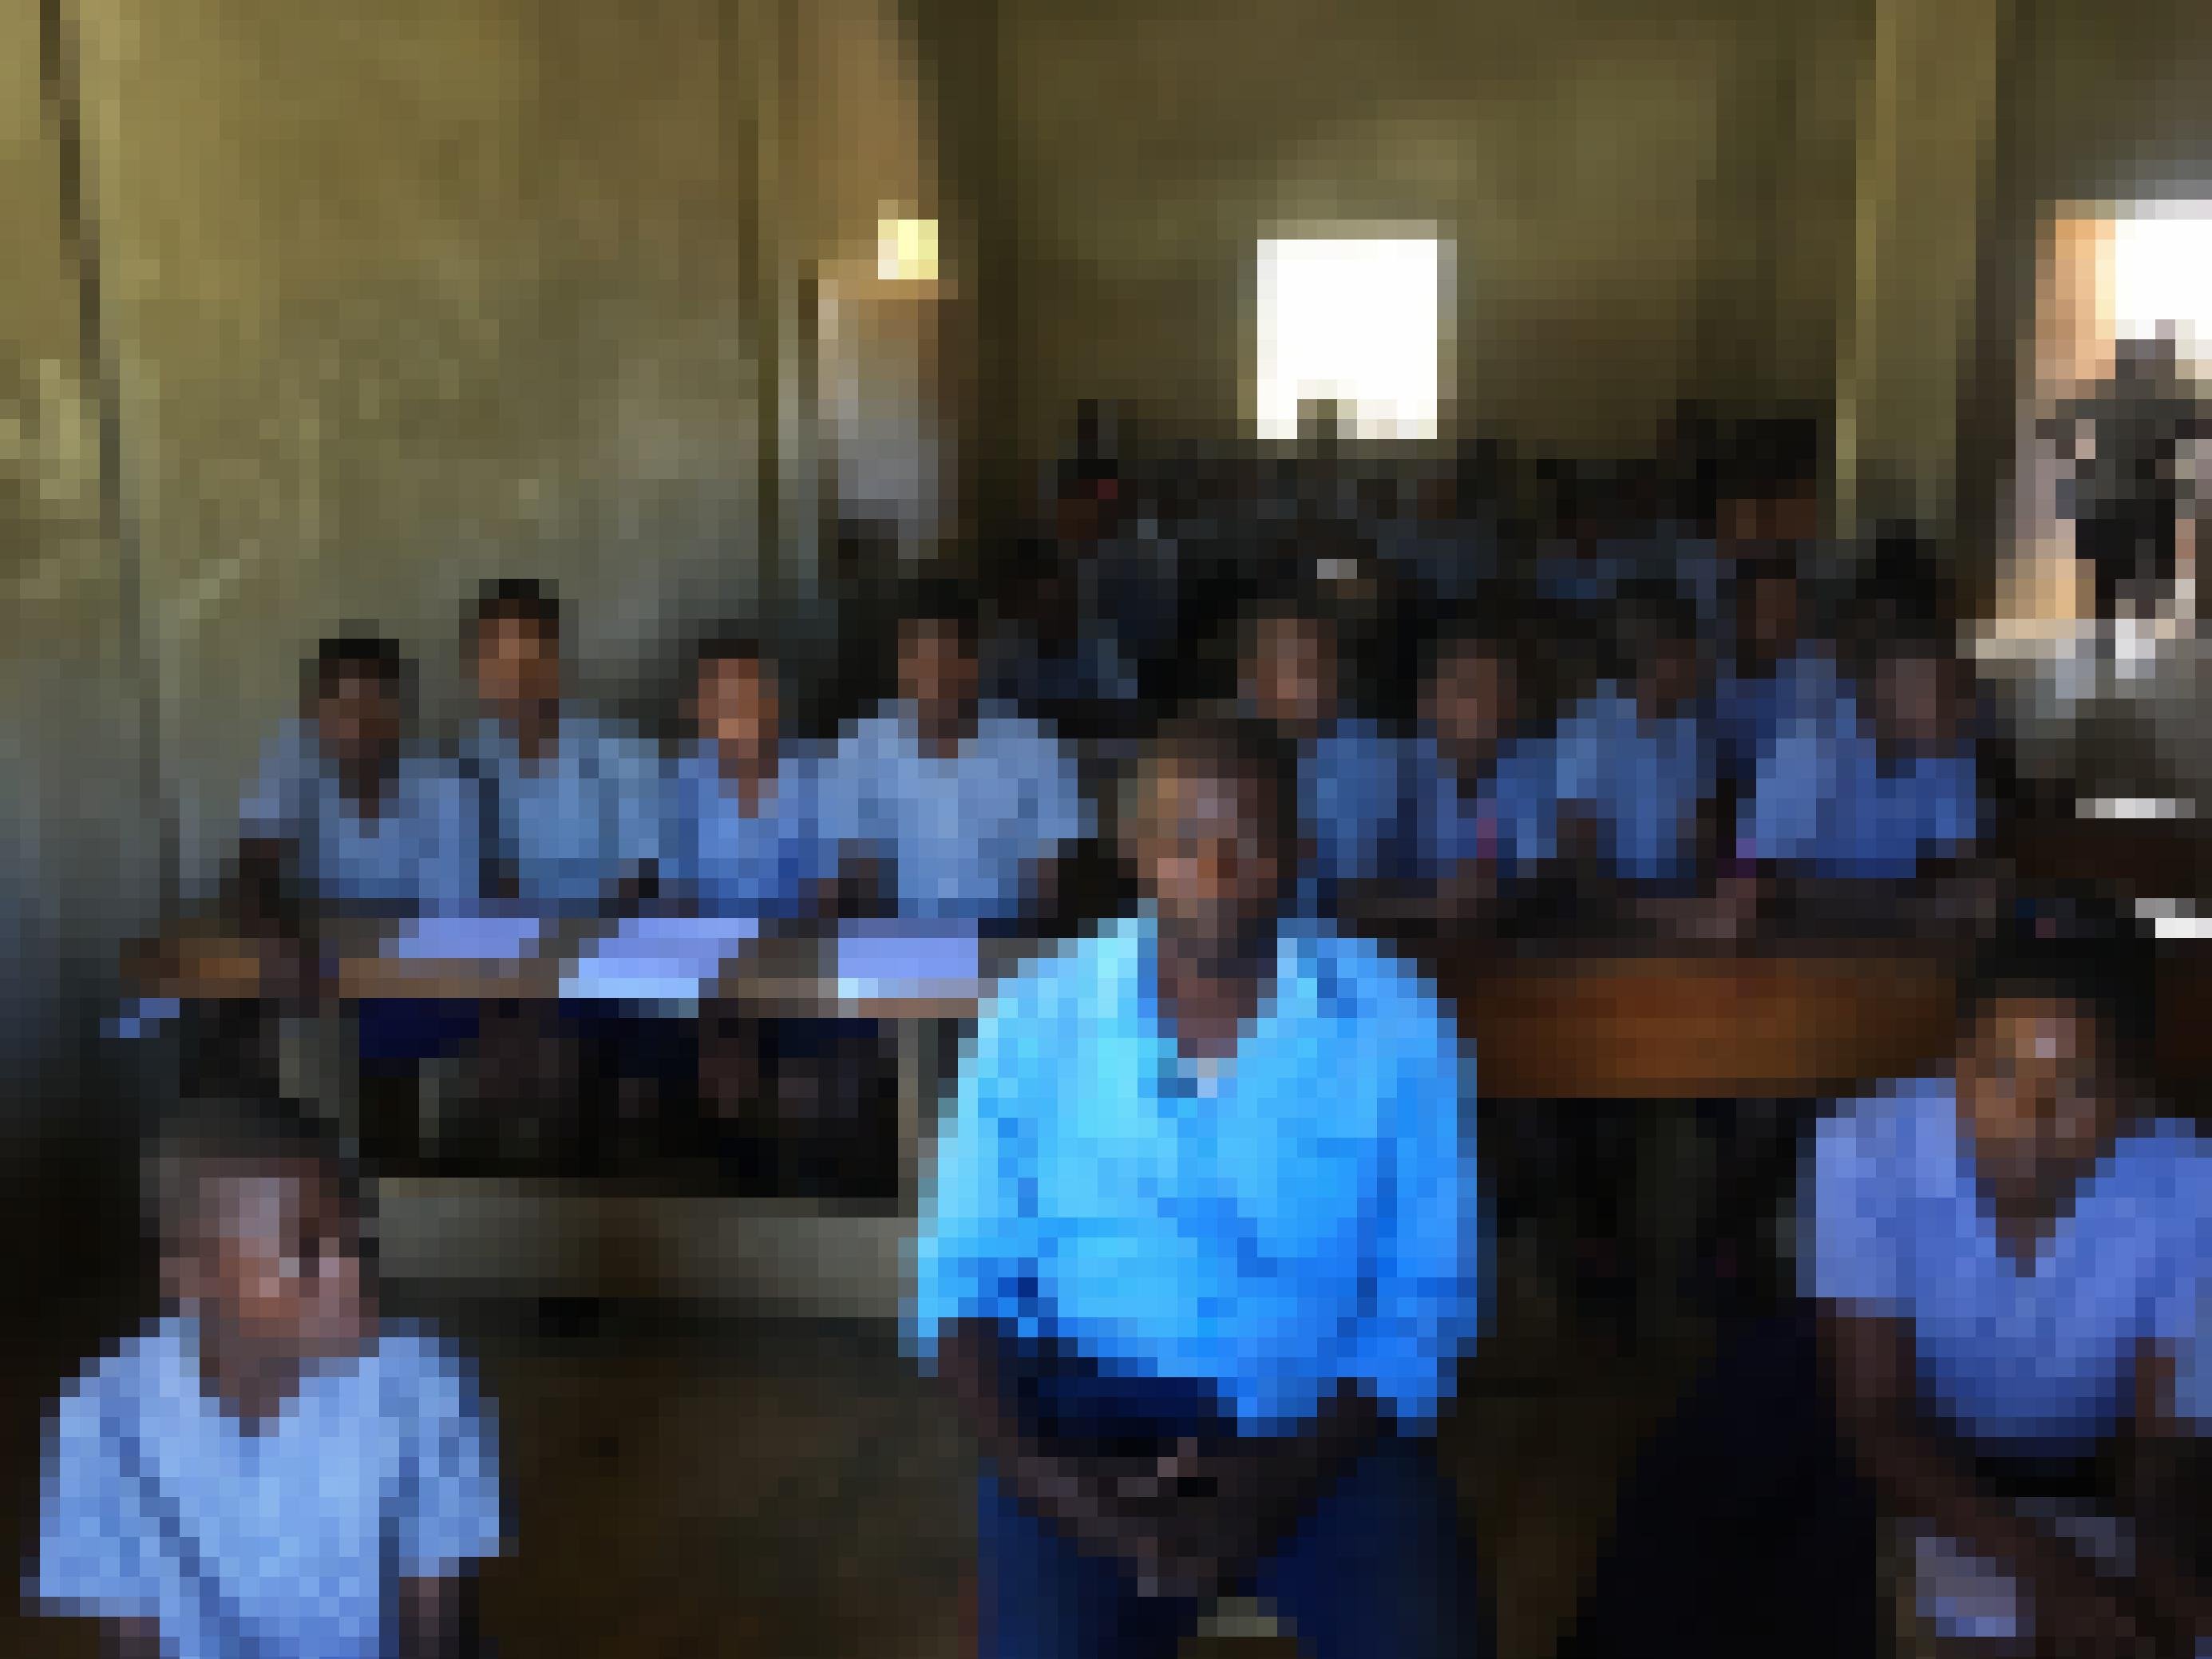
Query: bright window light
[2162,274]
[1351,320]
[906,250]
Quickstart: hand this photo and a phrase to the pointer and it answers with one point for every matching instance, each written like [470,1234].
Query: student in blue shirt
[962,809]
[267,1468]
[354,816]
[1201,1311]
[2008,1255]
[1776,682]
[1354,779]
[573,800]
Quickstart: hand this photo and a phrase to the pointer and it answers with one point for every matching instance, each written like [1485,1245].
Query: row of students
[1203,1330]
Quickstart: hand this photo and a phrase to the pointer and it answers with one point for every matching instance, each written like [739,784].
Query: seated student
[746,830]
[1049,658]
[1481,798]
[1893,789]
[1633,761]
[1776,680]
[1766,505]
[964,807]
[573,800]
[347,809]
[1201,1321]
[1353,778]
[2008,1255]
[267,1468]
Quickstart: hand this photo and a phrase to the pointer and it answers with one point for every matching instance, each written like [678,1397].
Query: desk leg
[927,1053]
[317,1064]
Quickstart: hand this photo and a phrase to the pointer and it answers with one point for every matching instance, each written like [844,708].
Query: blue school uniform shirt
[1805,693]
[1507,818]
[766,863]
[1829,800]
[1308,1215]
[1356,803]
[578,821]
[962,832]
[2036,1360]
[421,853]
[283,1544]
[1642,780]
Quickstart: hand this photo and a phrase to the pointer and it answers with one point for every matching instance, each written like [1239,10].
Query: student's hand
[291,972]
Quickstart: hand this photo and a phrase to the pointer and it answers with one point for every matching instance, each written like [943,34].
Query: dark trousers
[1378,1566]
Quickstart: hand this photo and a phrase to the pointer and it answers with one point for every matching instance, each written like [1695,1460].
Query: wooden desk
[1687,1027]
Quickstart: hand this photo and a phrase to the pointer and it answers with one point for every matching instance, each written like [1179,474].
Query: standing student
[574,799]
[965,808]
[1201,1309]
[267,1468]
[2008,1255]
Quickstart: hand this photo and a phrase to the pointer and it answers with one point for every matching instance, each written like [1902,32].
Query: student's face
[2034,1089]
[1204,851]
[1670,675]
[1736,523]
[1290,676]
[1470,701]
[936,673]
[1917,702]
[1767,625]
[1792,516]
[279,1264]
[357,720]
[737,708]
[517,665]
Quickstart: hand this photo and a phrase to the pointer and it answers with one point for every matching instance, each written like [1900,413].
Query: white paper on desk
[658,959]
[466,939]
[904,961]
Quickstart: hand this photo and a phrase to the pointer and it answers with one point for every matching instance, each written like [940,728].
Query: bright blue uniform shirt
[1828,799]
[1306,1215]
[421,853]
[1355,800]
[2038,1359]
[287,1543]
[961,832]
[580,819]
[1804,693]
[766,863]
[1642,780]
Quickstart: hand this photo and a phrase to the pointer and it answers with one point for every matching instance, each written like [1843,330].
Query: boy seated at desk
[1201,1311]
[573,806]
[749,833]
[347,814]
[1776,680]
[267,1468]
[1883,806]
[1353,778]
[2008,1257]
[959,811]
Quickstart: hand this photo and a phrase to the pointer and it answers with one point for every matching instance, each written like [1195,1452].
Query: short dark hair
[1231,747]
[516,599]
[1777,456]
[2077,952]
[1491,630]
[729,645]
[943,602]
[1291,603]
[1648,614]
[236,1132]
[357,656]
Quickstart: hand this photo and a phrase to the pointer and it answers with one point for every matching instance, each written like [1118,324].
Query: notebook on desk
[665,961]
[879,960]
[466,939]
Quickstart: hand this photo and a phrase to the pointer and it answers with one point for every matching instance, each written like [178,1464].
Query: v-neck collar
[2058,1235]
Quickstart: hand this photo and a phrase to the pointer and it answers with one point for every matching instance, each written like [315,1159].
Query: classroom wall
[1647,203]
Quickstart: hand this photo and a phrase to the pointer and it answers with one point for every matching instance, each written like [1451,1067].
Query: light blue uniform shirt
[284,1544]
[421,852]
[766,863]
[2033,1360]
[1642,780]
[1828,799]
[961,832]
[1306,1215]
[580,820]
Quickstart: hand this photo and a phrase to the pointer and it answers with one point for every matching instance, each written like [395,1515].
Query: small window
[906,250]
[1352,323]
